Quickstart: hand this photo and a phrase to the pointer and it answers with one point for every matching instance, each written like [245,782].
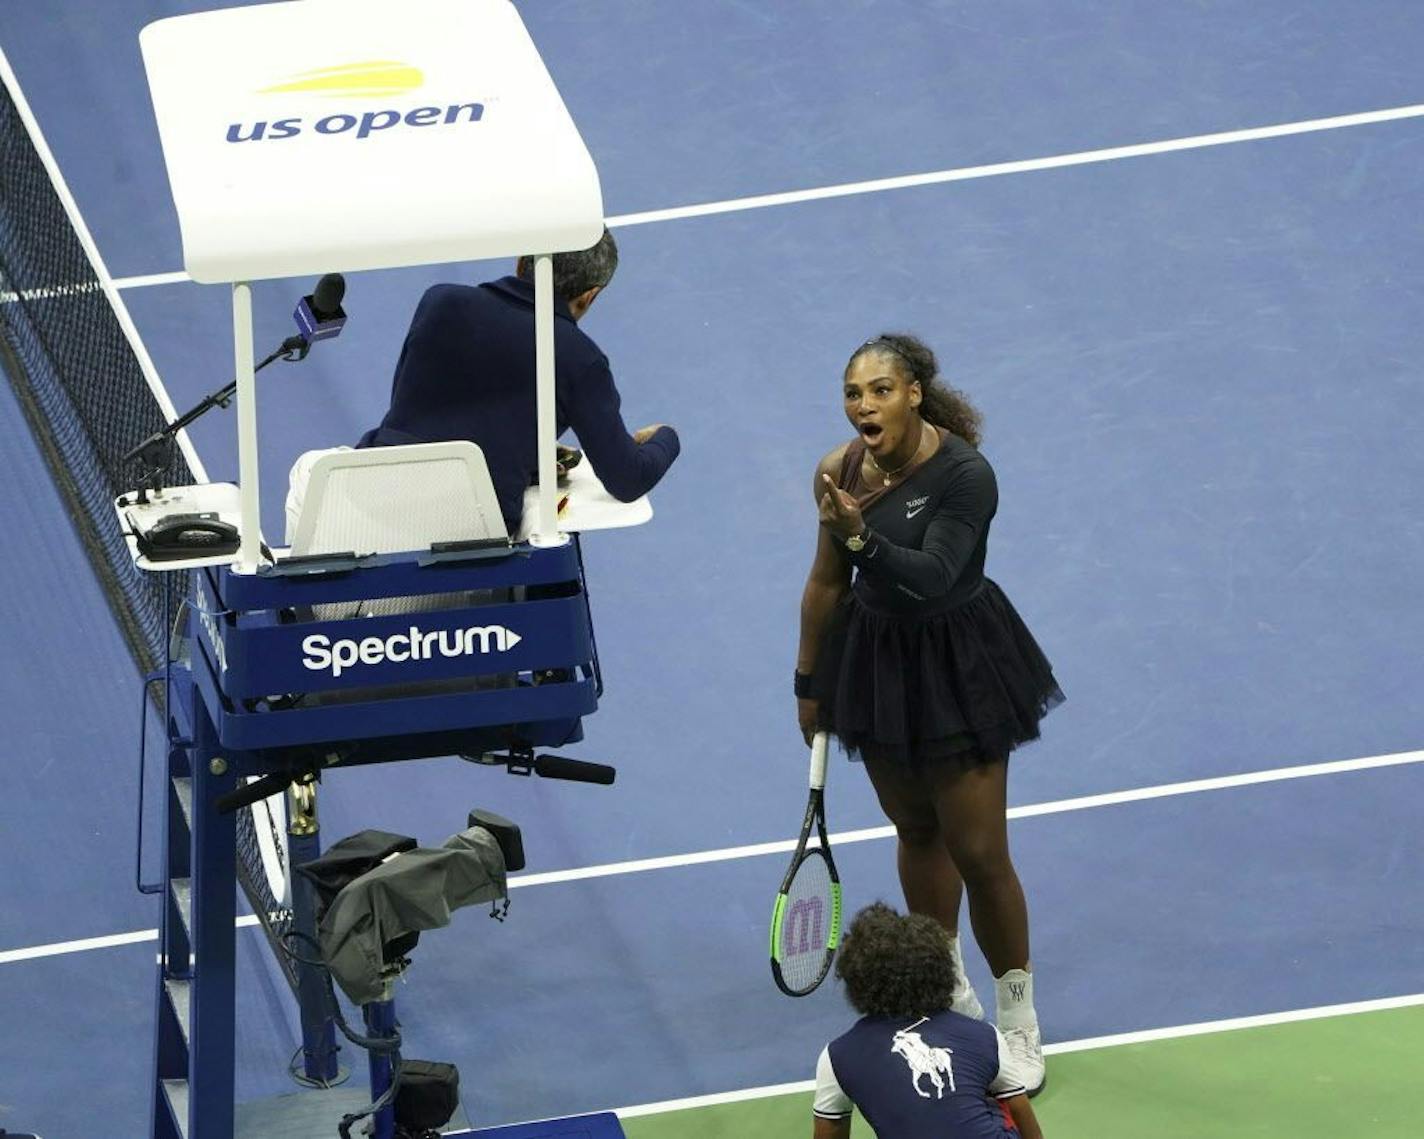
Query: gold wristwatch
[856,542]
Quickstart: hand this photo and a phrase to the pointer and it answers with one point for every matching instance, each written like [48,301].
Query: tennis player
[919,664]
[914,1067]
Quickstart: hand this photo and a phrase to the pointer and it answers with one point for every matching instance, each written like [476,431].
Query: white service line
[963,174]
[96,262]
[1091,1044]
[1024,166]
[785,846]
[1031,810]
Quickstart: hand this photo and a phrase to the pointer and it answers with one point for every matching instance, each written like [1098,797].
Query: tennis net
[77,377]
[88,393]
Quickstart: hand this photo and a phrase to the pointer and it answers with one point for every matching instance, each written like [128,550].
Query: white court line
[96,263]
[1032,810]
[1024,166]
[966,174]
[111,941]
[1087,1045]
[785,846]
[152,279]
[55,949]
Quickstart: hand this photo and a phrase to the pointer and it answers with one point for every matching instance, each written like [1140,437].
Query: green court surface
[1334,1078]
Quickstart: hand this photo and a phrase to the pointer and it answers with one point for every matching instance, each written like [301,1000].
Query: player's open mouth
[871,432]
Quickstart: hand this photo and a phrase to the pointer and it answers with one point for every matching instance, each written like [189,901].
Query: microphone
[319,316]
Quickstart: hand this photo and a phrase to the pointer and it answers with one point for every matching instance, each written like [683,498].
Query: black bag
[428,1095]
[345,861]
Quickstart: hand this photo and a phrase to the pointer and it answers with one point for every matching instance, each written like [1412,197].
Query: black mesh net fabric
[79,382]
[276,918]
[86,400]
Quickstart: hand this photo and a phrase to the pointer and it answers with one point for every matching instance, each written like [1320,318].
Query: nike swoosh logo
[911,513]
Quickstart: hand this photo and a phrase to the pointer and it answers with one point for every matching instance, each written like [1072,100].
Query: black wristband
[801,685]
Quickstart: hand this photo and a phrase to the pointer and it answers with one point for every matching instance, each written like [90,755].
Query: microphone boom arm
[156,452]
[318,316]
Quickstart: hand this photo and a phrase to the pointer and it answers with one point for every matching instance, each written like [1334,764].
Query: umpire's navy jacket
[466,371]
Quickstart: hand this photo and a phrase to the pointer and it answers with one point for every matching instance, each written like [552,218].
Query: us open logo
[368,80]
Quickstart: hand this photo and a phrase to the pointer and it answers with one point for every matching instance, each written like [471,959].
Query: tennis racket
[806,923]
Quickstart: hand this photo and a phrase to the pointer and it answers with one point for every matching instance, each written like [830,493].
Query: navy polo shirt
[929,1077]
[467,371]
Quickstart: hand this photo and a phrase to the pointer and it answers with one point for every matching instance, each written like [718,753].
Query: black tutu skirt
[965,686]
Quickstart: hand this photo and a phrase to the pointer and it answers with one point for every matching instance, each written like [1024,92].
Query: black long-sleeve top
[928,536]
[467,371]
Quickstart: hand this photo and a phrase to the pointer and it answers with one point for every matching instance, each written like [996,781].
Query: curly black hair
[896,964]
[940,404]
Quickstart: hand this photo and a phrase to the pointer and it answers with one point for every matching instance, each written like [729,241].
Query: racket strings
[806,924]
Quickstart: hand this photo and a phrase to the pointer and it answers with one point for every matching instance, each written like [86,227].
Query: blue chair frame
[260,695]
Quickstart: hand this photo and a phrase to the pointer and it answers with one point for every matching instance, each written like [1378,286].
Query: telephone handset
[186,536]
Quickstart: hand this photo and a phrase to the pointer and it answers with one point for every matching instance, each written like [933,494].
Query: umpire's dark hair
[576,273]
[940,404]
[896,964]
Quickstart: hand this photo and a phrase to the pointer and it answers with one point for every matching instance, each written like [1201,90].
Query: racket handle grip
[578,770]
[820,744]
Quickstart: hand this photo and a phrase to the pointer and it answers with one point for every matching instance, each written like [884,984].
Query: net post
[248,551]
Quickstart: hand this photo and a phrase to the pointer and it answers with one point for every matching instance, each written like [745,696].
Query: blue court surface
[1200,372]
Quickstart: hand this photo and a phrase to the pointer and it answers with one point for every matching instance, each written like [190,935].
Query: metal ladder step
[183,786]
[177,1093]
[182,889]
[180,996]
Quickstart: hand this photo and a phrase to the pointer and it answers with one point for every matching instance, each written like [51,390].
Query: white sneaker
[966,1002]
[1026,1048]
